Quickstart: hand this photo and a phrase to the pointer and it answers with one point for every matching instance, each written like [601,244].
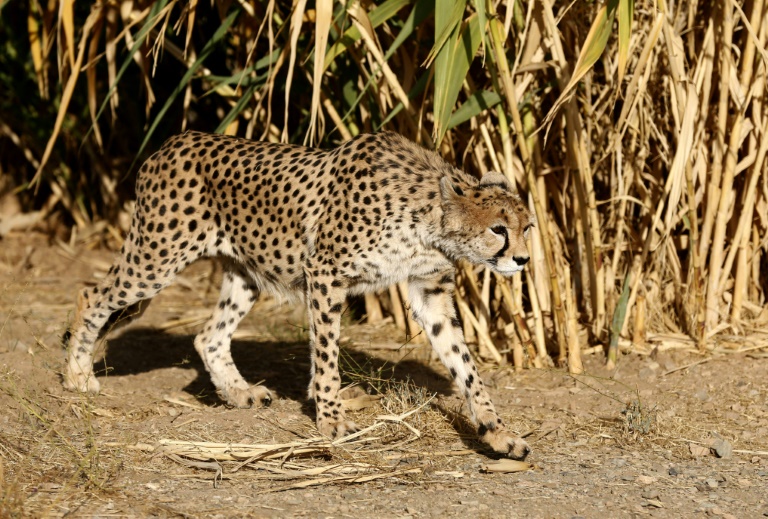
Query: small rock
[674,471]
[698,450]
[646,480]
[722,448]
[651,494]
[702,395]
[711,483]
[619,462]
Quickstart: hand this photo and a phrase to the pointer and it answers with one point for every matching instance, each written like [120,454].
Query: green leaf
[618,319]
[480,9]
[448,16]
[420,11]
[451,67]
[417,89]
[593,48]
[244,75]
[596,40]
[378,16]
[237,109]
[626,13]
[475,105]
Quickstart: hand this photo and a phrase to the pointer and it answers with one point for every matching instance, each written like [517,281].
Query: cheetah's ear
[494,178]
[448,189]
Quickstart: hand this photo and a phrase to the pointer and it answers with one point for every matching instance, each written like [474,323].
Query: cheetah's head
[485,224]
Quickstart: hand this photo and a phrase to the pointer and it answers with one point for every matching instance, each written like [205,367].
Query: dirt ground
[640,441]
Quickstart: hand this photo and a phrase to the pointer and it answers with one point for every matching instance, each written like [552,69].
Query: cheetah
[288,220]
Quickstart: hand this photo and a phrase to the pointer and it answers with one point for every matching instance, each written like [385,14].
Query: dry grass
[643,154]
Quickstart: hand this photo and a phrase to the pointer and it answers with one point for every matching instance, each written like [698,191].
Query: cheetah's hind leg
[122,293]
[238,293]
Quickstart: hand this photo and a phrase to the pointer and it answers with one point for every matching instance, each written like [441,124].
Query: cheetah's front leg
[325,299]
[433,308]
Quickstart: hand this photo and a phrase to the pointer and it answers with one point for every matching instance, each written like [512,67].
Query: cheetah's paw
[504,443]
[336,429]
[244,398]
[81,382]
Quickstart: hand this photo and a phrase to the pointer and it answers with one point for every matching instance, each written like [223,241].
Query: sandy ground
[639,441]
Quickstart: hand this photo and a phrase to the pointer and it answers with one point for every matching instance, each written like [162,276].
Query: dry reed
[644,161]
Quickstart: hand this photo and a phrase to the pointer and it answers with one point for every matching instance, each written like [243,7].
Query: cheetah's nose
[521,260]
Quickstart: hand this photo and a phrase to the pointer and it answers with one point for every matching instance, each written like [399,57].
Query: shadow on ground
[282,366]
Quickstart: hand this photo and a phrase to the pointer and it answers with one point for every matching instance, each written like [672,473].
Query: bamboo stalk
[575,365]
[713,188]
[482,333]
[742,233]
[585,190]
[721,221]
[397,307]
[538,319]
[518,323]
[542,217]
[695,276]
[638,332]
[373,309]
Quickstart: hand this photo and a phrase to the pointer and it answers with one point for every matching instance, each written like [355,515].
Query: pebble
[722,448]
[651,494]
[702,395]
[674,471]
[646,480]
[711,483]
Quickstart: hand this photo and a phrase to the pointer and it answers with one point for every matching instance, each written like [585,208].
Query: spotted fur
[287,219]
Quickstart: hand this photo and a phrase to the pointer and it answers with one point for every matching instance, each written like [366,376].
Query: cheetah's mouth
[508,271]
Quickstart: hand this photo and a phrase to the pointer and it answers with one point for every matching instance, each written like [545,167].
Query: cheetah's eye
[527,229]
[499,230]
